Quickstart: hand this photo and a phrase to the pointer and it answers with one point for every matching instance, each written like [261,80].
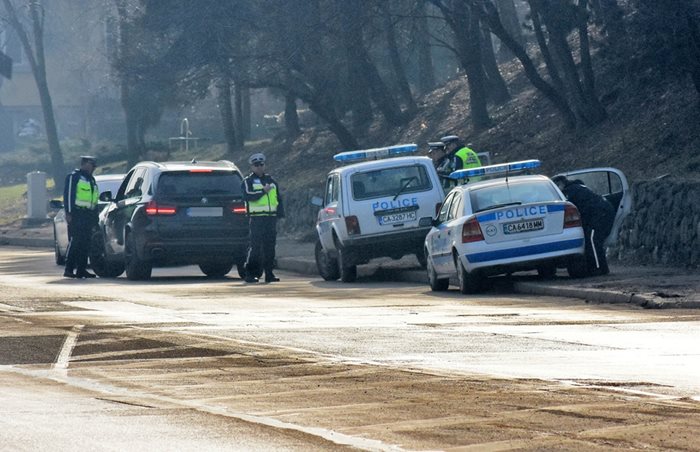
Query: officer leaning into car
[80,196]
[597,218]
[264,208]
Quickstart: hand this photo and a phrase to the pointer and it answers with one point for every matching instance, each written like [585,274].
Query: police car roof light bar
[375,153]
[493,170]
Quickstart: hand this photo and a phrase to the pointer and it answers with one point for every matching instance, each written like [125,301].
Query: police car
[381,204]
[500,225]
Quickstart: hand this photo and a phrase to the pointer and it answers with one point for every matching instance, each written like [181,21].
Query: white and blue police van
[381,203]
[500,225]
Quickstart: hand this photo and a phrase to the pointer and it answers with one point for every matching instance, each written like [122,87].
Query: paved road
[309,364]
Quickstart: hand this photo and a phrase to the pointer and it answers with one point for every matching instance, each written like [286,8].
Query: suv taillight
[238,209]
[572,218]
[153,208]
[471,231]
[353,225]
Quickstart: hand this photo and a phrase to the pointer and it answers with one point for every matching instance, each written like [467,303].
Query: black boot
[270,277]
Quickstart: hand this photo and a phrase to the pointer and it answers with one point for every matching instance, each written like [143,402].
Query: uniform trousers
[261,251]
[83,221]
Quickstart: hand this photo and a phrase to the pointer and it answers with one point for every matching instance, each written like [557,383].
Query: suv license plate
[205,211]
[524,226]
[397,217]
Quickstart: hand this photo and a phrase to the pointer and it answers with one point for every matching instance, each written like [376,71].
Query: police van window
[445,209]
[390,181]
[184,184]
[332,190]
[522,192]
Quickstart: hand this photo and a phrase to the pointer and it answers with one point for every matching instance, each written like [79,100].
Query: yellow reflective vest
[259,202]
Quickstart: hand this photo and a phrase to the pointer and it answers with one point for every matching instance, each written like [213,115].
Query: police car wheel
[422,259]
[60,259]
[436,284]
[327,266]
[469,283]
[348,272]
[99,264]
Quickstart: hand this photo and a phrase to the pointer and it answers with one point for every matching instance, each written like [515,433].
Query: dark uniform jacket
[595,210]
[70,187]
[252,193]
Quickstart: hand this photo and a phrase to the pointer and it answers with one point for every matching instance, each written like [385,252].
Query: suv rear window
[513,193]
[177,184]
[389,182]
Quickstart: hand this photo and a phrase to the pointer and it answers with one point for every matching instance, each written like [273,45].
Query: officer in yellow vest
[264,207]
[462,156]
[80,196]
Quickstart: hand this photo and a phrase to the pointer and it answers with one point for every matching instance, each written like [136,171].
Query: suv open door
[612,184]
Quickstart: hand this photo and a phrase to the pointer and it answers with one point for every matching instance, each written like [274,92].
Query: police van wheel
[327,266]
[469,283]
[348,272]
[436,284]
[136,269]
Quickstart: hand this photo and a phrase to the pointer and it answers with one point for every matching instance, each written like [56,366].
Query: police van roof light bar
[493,170]
[375,153]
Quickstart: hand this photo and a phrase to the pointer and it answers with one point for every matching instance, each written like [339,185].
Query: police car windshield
[390,182]
[186,184]
[513,193]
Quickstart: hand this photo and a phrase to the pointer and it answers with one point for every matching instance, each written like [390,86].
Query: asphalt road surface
[182,362]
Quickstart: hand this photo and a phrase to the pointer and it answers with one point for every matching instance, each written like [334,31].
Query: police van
[379,204]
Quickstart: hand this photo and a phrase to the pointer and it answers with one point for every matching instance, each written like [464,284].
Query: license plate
[205,211]
[524,226]
[397,217]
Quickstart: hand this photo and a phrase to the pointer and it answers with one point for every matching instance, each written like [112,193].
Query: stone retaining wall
[664,225]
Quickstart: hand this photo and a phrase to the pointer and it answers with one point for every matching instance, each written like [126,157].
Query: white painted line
[61,364]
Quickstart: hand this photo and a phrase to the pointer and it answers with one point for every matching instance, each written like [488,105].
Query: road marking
[61,364]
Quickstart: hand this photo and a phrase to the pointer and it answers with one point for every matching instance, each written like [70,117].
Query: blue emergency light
[493,170]
[375,153]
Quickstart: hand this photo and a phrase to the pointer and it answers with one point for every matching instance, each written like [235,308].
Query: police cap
[88,159]
[449,139]
[256,158]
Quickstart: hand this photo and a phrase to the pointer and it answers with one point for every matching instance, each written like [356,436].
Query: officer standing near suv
[462,156]
[80,196]
[264,207]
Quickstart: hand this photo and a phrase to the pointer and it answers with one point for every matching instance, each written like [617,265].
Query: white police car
[501,225]
[380,207]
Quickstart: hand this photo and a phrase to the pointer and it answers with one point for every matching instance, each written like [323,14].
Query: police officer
[462,156]
[264,207]
[597,218]
[80,196]
[441,161]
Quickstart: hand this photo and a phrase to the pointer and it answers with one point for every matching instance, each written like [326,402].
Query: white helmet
[256,158]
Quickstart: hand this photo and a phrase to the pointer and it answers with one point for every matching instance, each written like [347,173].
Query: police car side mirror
[106,196]
[436,222]
[56,204]
[317,201]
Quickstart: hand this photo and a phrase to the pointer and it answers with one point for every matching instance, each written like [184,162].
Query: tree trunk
[291,118]
[511,22]
[585,51]
[238,114]
[426,70]
[227,119]
[37,62]
[488,13]
[395,58]
[546,54]
[497,88]
[358,83]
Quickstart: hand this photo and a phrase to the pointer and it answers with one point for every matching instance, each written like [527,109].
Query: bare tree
[32,38]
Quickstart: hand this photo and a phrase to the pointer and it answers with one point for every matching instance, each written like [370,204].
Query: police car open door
[612,184]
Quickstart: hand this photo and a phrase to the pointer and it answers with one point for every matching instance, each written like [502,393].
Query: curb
[31,242]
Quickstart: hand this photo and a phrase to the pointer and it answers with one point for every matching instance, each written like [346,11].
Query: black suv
[169,214]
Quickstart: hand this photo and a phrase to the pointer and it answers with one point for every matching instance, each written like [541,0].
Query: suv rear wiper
[404,186]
